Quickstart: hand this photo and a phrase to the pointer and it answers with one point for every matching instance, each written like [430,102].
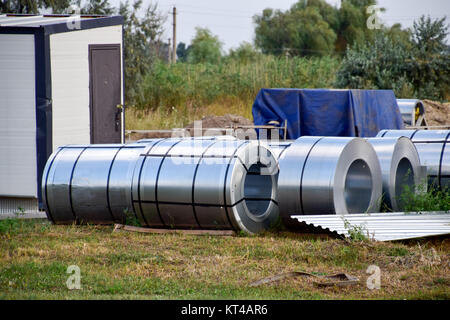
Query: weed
[421,199]
[355,232]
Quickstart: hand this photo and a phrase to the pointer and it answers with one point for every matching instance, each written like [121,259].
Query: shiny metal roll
[89,183]
[411,110]
[206,184]
[328,175]
[278,148]
[224,137]
[400,168]
[434,152]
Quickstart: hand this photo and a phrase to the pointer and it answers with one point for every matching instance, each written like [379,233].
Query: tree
[313,27]
[205,47]
[430,68]
[33,6]
[418,67]
[101,7]
[182,52]
[245,53]
[142,39]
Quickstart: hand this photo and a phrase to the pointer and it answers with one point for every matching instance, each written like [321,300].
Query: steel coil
[328,175]
[207,184]
[410,110]
[434,152]
[224,137]
[89,183]
[400,168]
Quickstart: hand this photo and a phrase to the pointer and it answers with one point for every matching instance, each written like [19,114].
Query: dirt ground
[225,121]
[436,113]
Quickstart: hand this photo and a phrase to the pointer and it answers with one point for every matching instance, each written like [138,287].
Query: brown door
[105,92]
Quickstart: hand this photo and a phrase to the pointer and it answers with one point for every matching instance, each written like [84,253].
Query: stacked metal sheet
[434,152]
[381,226]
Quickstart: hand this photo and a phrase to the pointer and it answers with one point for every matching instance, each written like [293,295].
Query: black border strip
[139,183]
[157,179]
[47,207]
[158,155]
[440,160]
[384,133]
[225,183]
[193,180]
[431,141]
[414,133]
[43,105]
[70,184]
[207,204]
[303,170]
[107,183]
[60,27]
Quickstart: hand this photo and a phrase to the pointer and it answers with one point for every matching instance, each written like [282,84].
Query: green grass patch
[127,265]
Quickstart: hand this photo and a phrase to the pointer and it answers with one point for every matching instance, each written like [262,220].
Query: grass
[34,256]
[171,96]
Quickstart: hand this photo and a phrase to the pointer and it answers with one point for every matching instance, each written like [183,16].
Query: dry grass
[34,257]
[181,116]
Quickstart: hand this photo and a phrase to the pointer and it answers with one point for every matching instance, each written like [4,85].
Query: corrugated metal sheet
[383,226]
[11,205]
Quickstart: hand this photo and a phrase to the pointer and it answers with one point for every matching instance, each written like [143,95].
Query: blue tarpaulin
[328,112]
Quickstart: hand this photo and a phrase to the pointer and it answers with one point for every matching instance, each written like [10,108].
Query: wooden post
[174,36]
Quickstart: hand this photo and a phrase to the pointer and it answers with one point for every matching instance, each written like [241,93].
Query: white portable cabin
[61,82]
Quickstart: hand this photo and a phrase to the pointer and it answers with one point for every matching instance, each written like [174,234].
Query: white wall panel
[70,81]
[18,168]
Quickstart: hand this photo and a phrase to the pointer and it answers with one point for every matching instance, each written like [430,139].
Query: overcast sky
[231,20]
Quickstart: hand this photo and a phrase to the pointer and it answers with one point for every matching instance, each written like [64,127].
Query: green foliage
[131,219]
[312,27]
[205,47]
[421,199]
[141,43]
[33,6]
[430,68]
[182,52]
[356,232]
[172,86]
[94,7]
[416,67]
[244,54]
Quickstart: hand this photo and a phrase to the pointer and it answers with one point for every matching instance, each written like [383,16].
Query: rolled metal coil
[224,137]
[328,175]
[410,110]
[400,168]
[89,183]
[434,152]
[207,184]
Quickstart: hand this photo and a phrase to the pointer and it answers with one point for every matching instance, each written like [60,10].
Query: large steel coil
[207,184]
[328,175]
[434,152]
[89,183]
[411,110]
[400,168]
